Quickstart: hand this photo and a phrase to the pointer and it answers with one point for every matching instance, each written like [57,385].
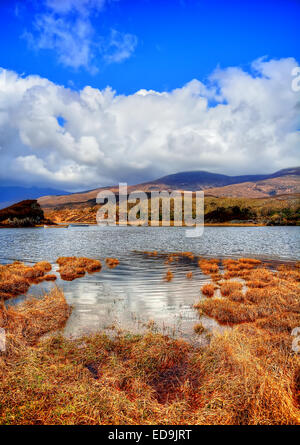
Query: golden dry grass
[112,262]
[199,328]
[16,278]
[208,290]
[71,268]
[209,267]
[34,317]
[230,287]
[168,276]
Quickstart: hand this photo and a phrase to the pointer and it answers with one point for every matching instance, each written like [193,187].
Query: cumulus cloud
[66,27]
[119,46]
[238,122]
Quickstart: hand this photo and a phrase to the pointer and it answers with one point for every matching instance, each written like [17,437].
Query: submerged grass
[258,349]
[208,290]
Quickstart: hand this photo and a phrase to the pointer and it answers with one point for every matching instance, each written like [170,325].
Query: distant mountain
[201,180]
[275,186]
[192,181]
[11,195]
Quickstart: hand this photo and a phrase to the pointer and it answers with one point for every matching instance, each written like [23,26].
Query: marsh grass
[16,278]
[209,267]
[112,262]
[230,287]
[262,319]
[208,290]
[168,276]
[246,375]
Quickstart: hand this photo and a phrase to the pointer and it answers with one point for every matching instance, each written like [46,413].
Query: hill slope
[281,185]
[196,180]
[26,213]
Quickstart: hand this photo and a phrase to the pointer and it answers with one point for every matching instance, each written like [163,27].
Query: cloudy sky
[93,92]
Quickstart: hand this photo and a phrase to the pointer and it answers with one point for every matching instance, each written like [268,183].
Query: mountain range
[286,181]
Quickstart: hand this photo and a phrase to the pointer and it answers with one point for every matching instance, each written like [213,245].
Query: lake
[135,293]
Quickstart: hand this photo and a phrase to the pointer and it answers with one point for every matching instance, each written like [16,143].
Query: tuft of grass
[199,328]
[208,290]
[16,278]
[71,268]
[35,317]
[112,262]
[247,375]
[168,276]
[228,312]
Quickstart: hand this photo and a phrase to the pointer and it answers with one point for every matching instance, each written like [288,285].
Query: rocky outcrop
[26,213]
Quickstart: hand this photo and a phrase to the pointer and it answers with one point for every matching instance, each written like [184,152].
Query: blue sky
[177,40]
[94,92]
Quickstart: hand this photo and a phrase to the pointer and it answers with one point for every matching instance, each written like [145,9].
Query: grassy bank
[279,210]
[247,375]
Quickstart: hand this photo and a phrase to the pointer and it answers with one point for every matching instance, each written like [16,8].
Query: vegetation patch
[168,276]
[208,290]
[16,278]
[248,375]
[112,262]
[71,268]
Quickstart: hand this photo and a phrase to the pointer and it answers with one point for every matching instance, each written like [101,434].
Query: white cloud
[119,47]
[237,123]
[66,27]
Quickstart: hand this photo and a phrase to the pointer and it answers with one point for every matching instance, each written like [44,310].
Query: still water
[135,293]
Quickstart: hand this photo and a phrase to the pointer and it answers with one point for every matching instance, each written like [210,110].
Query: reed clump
[168,276]
[16,278]
[34,317]
[199,328]
[208,290]
[71,268]
[239,268]
[188,255]
[112,262]
[209,267]
[229,287]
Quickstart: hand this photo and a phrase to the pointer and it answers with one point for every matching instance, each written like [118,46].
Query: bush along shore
[248,374]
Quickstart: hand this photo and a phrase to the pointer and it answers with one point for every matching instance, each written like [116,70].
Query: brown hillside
[25,213]
[260,189]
